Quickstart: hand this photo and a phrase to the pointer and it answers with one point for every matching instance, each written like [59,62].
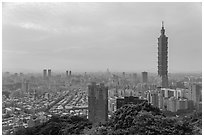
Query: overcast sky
[97,36]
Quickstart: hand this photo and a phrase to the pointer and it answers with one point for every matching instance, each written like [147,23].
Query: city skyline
[97,36]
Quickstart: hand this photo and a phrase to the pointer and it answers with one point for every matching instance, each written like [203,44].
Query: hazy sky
[97,36]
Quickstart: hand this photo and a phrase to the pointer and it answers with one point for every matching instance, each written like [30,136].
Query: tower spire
[162,30]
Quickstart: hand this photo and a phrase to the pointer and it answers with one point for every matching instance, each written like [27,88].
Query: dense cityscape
[106,102]
[28,99]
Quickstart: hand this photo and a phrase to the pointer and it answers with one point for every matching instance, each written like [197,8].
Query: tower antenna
[162,24]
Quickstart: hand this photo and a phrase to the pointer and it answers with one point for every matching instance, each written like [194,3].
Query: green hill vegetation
[142,119]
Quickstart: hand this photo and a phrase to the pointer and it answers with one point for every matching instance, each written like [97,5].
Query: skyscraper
[67,73]
[49,73]
[44,73]
[163,57]
[98,103]
[144,77]
[196,93]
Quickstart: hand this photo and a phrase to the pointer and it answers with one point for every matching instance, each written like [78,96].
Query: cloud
[33,26]
[111,33]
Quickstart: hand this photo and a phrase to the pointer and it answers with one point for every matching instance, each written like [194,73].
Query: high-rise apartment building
[144,77]
[24,86]
[154,99]
[135,78]
[98,103]
[148,96]
[163,57]
[172,104]
[182,104]
[161,101]
[196,94]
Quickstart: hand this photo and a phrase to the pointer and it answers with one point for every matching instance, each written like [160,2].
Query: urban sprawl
[29,99]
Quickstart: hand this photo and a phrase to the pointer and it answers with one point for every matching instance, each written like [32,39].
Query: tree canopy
[141,119]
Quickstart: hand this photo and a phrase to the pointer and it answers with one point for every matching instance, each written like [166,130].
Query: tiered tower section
[163,57]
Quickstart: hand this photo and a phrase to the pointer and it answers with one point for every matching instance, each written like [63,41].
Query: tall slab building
[98,103]
[67,73]
[163,57]
[49,73]
[44,74]
[144,77]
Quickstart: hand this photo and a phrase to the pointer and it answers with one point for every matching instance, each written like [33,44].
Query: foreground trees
[65,125]
[142,119]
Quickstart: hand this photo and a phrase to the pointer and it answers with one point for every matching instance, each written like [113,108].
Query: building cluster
[103,102]
[176,99]
[29,100]
[29,104]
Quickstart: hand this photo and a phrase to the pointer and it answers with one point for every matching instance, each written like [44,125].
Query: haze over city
[97,36]
[102,68]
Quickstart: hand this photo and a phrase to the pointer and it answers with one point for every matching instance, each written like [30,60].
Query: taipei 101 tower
[163,57]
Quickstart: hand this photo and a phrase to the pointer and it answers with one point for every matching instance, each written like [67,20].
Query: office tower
[163,57]
[67,73]
[144,77]
[49,73]
[97,103]
[70,72]
[44,74]
[196,94]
